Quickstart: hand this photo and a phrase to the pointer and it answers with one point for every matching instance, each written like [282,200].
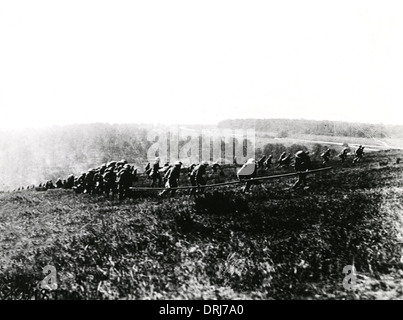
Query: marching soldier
[70,182]
[261,162]
[172,177]
[125,181]
[197,178]
[102,169]
[282,156]
[302,163]
[343,155]
[99,181]
[215,167]
[326,156]
[192,166]
[284,160]
[267,163]
[59,183]
[49,184]
[218,173]
[89,181]
[79,183]
[109,182]
[155,173]
[147,169]
[358,154]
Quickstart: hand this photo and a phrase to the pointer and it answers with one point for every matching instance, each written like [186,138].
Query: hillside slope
[273,243]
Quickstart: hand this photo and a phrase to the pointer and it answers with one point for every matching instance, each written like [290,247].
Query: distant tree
[324,127]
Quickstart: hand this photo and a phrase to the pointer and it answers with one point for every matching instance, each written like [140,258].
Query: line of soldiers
[302,163]
[109,179]
[197,174]
[116,177]
[358,155]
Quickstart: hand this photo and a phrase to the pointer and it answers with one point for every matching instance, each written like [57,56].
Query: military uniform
[172,177]
[261,162]
[155,174]
[358,154]
[70,182]
[343,155]
[284,160]
[59,183]
[125,181]
[302,163]
[197,178]
[267,163]
[89,181]
[79,183]
[110,182]
[99,182]
[48,185]
[326,156]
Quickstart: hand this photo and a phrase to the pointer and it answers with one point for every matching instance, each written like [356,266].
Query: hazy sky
[204,61]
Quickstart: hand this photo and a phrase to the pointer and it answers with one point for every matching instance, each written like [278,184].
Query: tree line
[284,127]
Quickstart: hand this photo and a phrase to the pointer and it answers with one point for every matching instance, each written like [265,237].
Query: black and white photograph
[181,151]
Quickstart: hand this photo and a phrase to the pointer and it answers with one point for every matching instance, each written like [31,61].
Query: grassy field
[272,243]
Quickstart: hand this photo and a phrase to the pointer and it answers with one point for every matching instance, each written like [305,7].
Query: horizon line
[58,125]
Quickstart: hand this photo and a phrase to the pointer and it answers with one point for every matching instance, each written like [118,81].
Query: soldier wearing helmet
[125,181]
[267,163]
[49,184]
[59,183]
[70,182]
[325,156]
[261,161]
[281,159]
[89,181]
[343,155]
[359,153]
[172,178]
[198,178]
[215,167]
[302,164]
[155,173]
[79,183]
[109,179]
[284,161]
